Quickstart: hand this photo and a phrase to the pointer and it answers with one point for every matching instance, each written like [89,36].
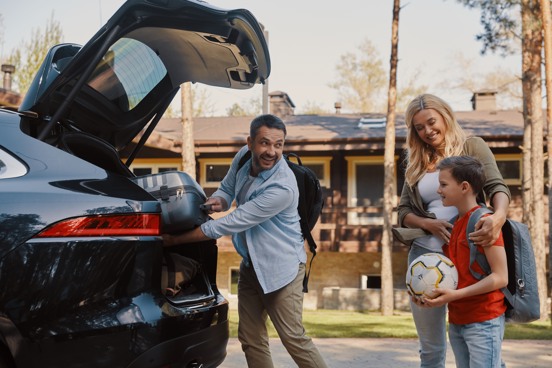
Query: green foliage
[334,323]
[313,108]
[500,21]
[361,82]
[30,55]
[203,104]
[361,78]
[248,108]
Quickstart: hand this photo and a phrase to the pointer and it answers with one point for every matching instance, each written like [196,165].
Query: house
[9,99]
[346,151]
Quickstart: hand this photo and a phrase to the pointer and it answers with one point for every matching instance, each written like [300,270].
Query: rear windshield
[127,73]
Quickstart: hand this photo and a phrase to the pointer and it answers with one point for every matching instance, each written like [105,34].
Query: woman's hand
[487,229]
[439,228]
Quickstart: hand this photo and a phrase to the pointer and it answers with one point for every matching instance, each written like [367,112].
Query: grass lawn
[334,323]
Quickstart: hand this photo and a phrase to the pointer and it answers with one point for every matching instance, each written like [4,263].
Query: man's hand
[214,204]
[169,240]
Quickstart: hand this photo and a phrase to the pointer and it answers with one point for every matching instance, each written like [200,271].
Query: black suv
[80,247]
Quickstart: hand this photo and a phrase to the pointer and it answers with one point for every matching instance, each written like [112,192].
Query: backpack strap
[475,255]
[303,222]
[312,246]
[480,257]
[246,157]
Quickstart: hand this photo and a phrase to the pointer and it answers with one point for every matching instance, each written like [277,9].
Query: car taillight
[105,225]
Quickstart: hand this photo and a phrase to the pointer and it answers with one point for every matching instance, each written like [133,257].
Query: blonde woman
[433,134]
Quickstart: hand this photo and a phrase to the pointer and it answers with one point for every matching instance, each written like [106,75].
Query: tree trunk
[389,186]
[547,27]
[188,151]
[533,118]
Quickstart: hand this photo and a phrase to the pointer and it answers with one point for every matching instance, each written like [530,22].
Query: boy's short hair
[465,168]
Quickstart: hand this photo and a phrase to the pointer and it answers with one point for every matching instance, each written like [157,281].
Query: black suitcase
[180,197]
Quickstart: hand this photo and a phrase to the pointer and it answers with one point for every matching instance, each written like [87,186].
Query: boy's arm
[497,279]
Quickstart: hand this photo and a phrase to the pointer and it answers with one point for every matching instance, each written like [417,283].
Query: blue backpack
[521,293]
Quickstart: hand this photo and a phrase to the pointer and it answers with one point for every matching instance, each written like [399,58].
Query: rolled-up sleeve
[476,147]
[271,201]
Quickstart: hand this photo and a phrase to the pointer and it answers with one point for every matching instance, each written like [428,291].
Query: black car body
[80,244]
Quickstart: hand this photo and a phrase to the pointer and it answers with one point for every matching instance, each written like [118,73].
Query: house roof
[9,99]
[330,132]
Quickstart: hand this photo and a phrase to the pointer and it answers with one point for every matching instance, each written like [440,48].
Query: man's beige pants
[285,309]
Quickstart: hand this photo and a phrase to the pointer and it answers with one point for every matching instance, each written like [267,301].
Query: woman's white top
[428,186]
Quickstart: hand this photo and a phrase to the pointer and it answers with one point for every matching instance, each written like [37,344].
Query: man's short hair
[267,120]
[465,168]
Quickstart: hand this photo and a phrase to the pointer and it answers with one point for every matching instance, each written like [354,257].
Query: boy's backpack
[310,201]
[521,293]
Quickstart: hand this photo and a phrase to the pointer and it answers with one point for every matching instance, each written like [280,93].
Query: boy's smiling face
[450,190]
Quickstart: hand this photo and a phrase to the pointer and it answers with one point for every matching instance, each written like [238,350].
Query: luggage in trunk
[197,264]
[180,197]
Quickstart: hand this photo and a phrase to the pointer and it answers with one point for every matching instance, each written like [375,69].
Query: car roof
[128,73]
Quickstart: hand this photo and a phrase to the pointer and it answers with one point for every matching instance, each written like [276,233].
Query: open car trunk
[189,270]
[199,289]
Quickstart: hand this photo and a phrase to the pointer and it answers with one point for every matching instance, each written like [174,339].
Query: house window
[365,190]
[142,167]
[212,171]
[510,168]
[234,277]
[370,281]
[320,166]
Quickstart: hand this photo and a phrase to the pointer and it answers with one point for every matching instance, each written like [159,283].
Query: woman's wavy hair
[419,153]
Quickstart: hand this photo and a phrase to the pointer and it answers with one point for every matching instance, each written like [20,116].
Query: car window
[127,73]
[10,167]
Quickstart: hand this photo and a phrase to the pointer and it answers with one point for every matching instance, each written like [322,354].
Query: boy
[476,308]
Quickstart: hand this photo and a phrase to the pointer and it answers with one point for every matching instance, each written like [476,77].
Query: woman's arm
[439,228]
[487,230]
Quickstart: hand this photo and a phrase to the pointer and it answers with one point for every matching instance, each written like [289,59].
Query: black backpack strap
[291,154]
[304,225]
[244,159]
[476,256]
[312,246]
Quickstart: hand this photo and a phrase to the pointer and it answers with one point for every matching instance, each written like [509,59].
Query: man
[266,233]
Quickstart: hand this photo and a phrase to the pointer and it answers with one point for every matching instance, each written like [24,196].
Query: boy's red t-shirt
[477,308]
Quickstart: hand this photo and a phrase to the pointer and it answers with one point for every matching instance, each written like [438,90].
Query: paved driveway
[396,353]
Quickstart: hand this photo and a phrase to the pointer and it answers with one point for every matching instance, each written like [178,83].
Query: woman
[433,134]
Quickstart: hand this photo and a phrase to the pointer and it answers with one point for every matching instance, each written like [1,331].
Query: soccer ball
[430,271]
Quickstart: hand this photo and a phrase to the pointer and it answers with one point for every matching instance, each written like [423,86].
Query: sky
[306,40]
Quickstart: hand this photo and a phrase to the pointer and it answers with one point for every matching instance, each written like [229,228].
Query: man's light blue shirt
[268,217]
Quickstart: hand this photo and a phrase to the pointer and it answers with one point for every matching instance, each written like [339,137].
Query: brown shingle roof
[337,131]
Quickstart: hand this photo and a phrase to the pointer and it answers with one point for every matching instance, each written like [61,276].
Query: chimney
[280,104]
[484,100]
[8,69]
